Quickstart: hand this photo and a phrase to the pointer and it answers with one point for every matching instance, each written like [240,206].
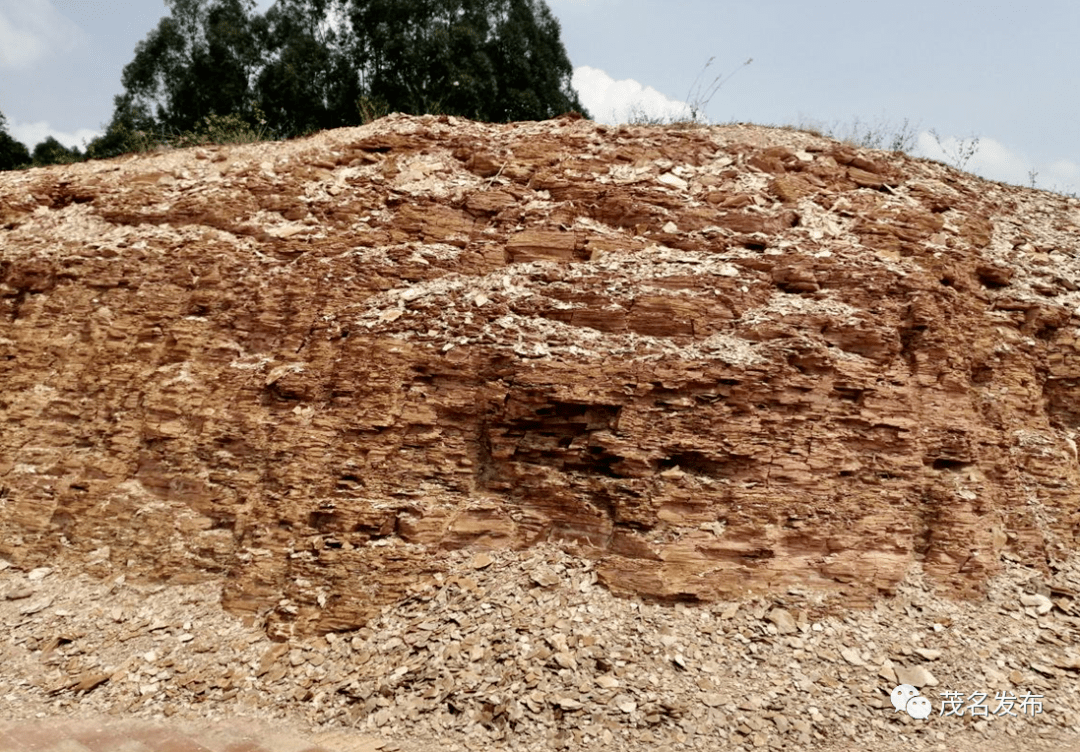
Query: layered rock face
[717,361]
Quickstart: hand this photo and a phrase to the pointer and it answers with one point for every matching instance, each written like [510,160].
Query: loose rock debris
[524,651]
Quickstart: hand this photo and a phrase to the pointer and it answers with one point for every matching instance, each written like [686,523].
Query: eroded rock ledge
[719,360]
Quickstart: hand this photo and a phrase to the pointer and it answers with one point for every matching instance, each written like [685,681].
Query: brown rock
[490,202]
[791,188]
[91,680]
[865,179]
[324,379]
[784,621]
[916,676]
[535,245]
[482,560]
[796,278]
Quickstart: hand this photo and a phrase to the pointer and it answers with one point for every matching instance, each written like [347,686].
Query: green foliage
[213,70]
[132,129]
[494,60]
[198,62]
[51,152]
[371,109]
[222,129]
[13,154]
[310,80]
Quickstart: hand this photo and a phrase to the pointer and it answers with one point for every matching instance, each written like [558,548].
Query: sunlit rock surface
[717,360]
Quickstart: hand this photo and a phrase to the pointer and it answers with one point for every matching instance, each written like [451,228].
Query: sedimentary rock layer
[718,360]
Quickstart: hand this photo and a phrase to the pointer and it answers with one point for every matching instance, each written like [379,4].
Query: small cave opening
[694,463]
[280,393]
[596,461]
[982,374]
[992,278]
[910,336]
[946,463]
[1046,332]
[349,481]
[850,394]
[322,520]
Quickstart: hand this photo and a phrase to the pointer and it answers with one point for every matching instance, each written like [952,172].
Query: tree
[200,60]
[13,154]
[214,66]
[309,81]
[494,60]
[51,152]
[534,69]
[132,129]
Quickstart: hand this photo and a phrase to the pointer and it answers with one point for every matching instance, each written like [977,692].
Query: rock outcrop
[717,361]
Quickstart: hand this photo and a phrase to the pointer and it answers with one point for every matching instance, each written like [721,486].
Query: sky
[997,76]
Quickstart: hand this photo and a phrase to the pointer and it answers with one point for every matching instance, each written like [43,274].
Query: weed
[699,101]
[371,108]
[901,138]
[638,116]
[225,129]
[960,154]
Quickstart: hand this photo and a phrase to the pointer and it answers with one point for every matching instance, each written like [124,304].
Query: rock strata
[719,362]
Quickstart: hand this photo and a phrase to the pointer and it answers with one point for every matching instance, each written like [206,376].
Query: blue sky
[999,71]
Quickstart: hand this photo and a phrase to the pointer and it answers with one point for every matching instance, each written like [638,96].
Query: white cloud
[31,29]
[993,160]
[1061,175]
[611,101]
[32,134]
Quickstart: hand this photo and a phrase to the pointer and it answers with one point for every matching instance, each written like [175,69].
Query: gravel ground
[523,651]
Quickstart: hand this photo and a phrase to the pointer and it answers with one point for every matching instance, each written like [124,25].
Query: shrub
[222,129]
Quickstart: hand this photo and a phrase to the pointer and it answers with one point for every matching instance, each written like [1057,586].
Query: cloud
[1061,175]
[33,134]
[611,101]
[31,29]
[993,160]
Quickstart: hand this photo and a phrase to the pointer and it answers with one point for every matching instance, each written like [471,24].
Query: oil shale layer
[714,361]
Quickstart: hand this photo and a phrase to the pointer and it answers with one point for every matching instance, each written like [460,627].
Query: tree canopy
[309,80]
[307,65]
[50,152]
[199,61]
[12,153]
[495,60]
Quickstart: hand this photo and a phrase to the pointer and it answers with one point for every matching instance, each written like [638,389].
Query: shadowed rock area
[717,362]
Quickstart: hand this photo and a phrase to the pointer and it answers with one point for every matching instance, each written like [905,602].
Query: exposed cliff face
[721,360]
